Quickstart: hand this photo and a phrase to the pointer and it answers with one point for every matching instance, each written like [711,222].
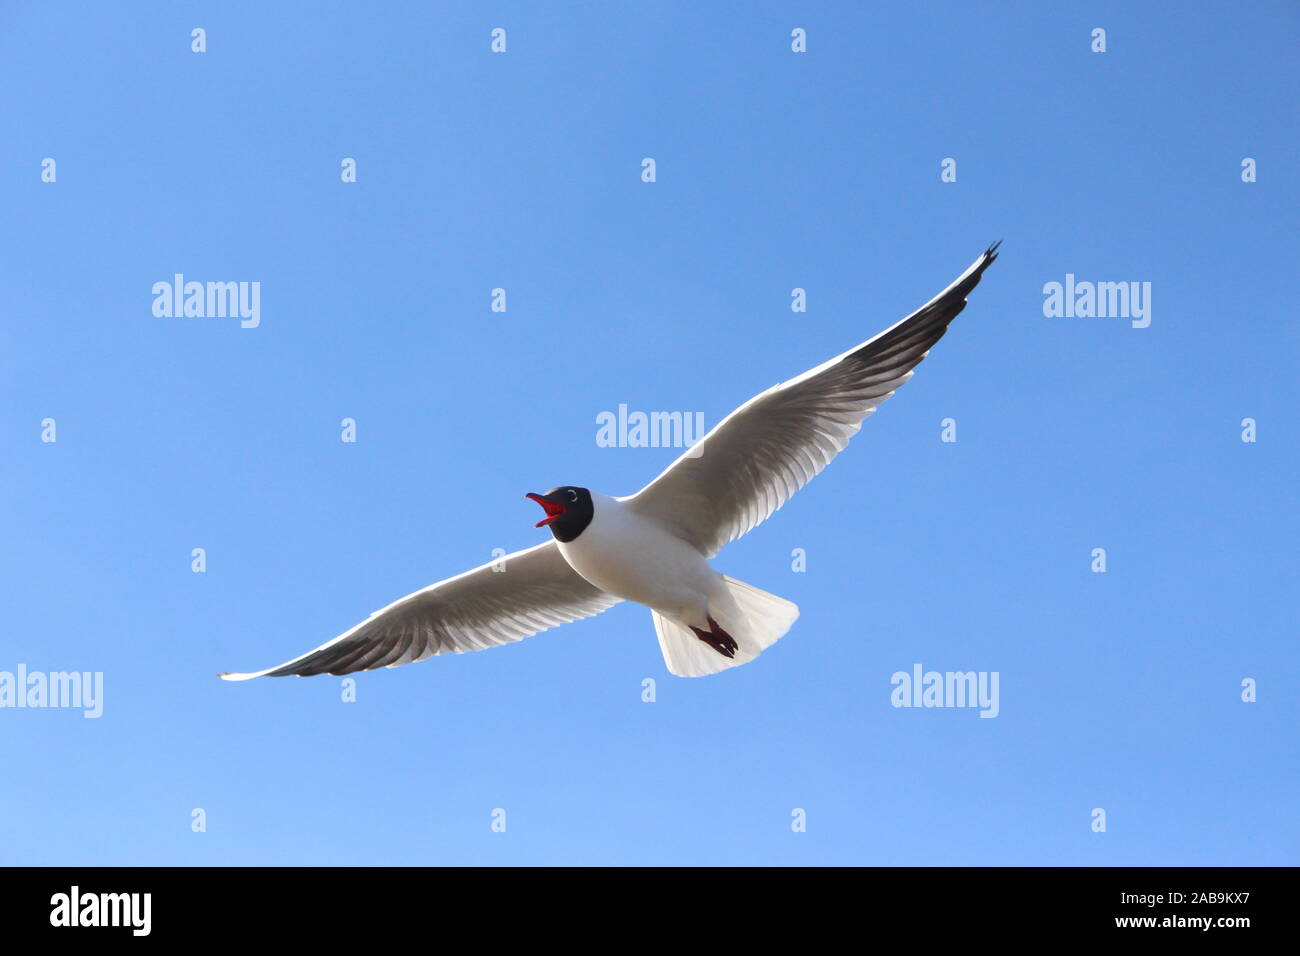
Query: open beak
[553,508]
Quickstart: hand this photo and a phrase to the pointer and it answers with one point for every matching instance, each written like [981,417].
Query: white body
[638,559]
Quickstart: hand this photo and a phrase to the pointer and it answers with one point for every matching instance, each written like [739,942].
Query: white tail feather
[754,618]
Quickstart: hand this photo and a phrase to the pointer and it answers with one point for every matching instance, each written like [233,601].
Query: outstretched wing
[766,450]
[530,591]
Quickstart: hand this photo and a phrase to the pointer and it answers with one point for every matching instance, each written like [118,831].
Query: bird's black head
[568,511]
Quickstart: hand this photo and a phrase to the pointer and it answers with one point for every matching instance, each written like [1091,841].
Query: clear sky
[775,170]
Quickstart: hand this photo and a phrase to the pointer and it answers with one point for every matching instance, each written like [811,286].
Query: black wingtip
[992,251]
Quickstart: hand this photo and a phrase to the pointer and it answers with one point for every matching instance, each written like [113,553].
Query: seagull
[654,547]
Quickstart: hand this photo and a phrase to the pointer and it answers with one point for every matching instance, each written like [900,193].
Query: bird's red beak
[553,508]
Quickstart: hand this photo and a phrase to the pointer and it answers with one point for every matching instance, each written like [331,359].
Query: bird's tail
[751,617]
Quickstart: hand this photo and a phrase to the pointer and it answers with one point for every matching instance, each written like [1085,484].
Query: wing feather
[757,457]
[503,601]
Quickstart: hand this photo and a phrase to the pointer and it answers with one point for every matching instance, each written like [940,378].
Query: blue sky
[775,170]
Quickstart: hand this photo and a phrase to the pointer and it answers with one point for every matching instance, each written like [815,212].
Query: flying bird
[654,547]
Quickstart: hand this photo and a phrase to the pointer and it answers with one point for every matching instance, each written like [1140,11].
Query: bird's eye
[573,495]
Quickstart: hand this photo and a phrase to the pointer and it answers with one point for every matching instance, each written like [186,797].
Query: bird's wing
[757,457]
[534,589]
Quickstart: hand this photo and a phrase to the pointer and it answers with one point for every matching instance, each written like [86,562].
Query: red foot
[718,639]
